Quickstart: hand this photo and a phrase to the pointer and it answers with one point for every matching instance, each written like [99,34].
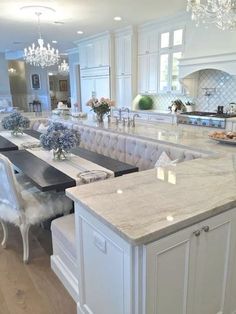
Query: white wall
[202,41]
[74,77]
[4,80]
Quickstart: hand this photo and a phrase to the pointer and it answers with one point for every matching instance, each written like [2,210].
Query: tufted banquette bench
[139,152]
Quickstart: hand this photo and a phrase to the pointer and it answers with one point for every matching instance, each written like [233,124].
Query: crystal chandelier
[63,68]
[41,55]
[222,13]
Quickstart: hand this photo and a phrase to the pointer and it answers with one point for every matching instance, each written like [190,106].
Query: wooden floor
[32,288]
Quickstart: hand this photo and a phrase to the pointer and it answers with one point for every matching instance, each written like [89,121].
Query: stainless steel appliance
[206,119]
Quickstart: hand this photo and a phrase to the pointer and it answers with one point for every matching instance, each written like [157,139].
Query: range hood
[222,62]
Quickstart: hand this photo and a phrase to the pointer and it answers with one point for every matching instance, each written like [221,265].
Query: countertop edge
[159,234]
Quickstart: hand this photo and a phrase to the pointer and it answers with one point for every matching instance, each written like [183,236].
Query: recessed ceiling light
[80,32]
[54,41]
[117,18]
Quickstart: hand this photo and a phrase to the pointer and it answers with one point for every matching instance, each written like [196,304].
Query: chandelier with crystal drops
[222,13]
[41,55]
[63,68]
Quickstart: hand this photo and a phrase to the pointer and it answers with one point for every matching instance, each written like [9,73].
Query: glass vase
[100,117]
[59,154]
[16,131]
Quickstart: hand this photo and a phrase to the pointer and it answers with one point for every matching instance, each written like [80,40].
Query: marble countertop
[183,135]
[152,204]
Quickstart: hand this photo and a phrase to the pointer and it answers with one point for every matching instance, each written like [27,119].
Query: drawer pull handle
[206,228]
[197,233]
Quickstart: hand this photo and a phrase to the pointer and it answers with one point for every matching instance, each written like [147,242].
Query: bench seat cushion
[63,230]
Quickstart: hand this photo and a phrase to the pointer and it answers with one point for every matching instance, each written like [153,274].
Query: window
[171,49]
[165,40]
[178,37]
[164,72]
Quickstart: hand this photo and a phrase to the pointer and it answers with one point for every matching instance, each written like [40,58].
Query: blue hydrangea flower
[15,121]
[58,136]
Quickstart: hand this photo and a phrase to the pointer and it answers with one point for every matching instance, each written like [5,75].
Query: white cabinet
[191,268]
[123,91]
[87,92]
[123,62]
[148,42]
[147,73]
[101,52]
[94,53]
[123,55]
[86,55]
[162,118]
[94,83]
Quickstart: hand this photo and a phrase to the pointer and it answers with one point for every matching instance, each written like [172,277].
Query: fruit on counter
[223,135]
[145,103]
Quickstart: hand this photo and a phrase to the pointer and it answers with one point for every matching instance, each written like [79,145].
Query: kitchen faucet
[134,116]
[122,110]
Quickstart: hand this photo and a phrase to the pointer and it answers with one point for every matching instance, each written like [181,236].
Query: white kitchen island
[162,241]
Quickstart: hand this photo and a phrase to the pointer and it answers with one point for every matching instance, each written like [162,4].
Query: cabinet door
[169,263]
[142,43]
[87,92]
[119,92]
[127,89]
[143,74]
[152,73]
[123,92]
[148,42]
[153,42]
[127,55]
[212,266]
[102,86]
[119,49]
[90,51]
[82,57]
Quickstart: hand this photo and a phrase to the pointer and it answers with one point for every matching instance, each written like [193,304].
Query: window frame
[170,51]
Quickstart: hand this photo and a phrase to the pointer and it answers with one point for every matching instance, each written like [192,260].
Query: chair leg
[24,229]
[5,234]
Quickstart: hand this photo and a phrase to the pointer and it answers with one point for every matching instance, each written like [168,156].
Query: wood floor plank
[32,288]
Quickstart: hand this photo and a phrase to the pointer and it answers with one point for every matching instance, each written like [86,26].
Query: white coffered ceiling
[18,28]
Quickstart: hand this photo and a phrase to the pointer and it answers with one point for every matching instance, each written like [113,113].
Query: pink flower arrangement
[102,106]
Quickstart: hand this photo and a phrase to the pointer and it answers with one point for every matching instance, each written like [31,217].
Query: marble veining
[151,204]
[182,135]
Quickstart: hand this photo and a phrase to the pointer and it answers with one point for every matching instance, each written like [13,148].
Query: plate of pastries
[223,137]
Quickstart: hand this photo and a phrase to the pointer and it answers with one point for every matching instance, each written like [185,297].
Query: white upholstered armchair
[24,205]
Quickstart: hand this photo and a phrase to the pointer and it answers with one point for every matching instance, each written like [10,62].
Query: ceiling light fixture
[117,18]
[63,68]
[54,41]
[12,71]
[41,55]
[222,13]
[80,32]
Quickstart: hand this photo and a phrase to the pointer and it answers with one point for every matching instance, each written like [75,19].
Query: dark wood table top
[44,176]
[119,168]
[6,145]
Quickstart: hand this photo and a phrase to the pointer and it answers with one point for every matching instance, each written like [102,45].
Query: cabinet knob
[206,228]
[197,233]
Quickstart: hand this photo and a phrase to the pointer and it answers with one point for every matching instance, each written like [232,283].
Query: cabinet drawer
[142,116]
[160,118]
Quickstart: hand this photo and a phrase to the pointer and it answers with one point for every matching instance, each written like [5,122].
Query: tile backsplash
[215,88]
[223,90]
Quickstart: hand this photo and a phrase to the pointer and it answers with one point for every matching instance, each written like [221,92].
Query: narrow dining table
[82,167]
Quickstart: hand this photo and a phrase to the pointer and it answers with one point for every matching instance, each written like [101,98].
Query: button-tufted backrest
[130,149]
[102,142]
[144,154]
[9,192]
